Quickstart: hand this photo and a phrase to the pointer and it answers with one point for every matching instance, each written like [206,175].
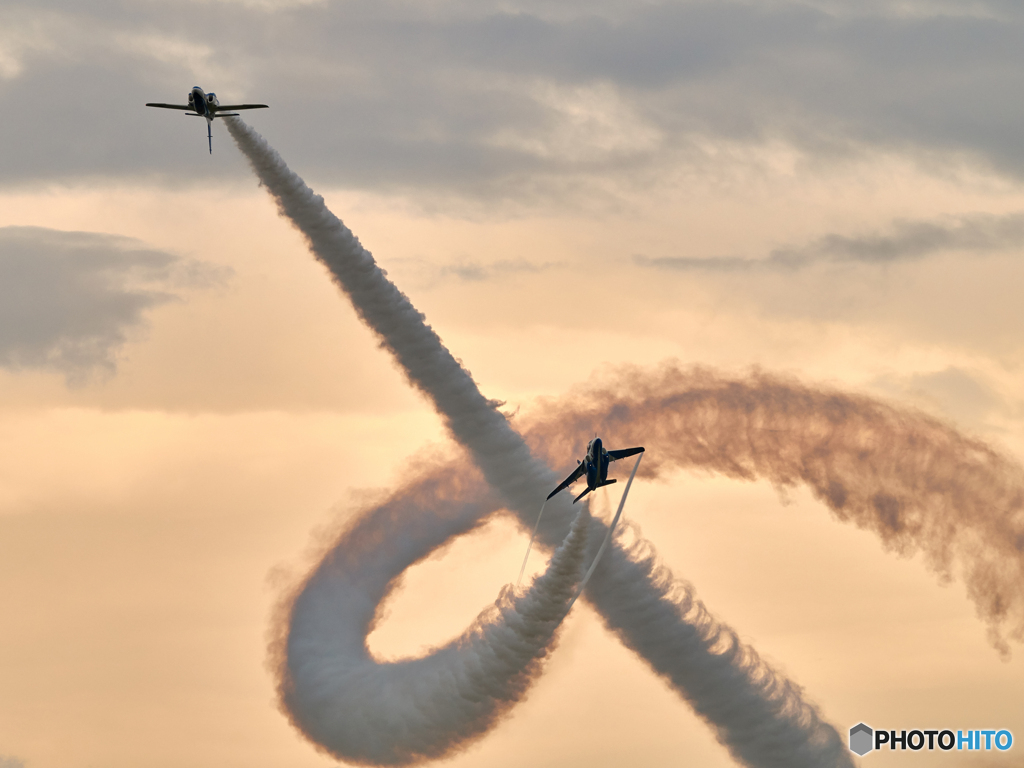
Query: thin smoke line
[529,546]
[607,537]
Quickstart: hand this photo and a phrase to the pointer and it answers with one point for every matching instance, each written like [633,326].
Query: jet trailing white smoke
[327,677]
[757,714]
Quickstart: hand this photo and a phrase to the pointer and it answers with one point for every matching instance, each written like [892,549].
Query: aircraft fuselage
[206,105]
[597,464]
[595,467]
[199,102]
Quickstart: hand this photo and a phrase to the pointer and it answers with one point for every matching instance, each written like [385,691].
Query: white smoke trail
[757,714]
[392,713]
[918,484]
[533,538]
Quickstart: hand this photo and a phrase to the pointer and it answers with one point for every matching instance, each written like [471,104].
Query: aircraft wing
[624,452]
[576,475]
[170,106]
[240,106]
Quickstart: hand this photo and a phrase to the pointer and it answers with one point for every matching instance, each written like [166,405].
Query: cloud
[11,762]
[475,271]
[963,395]
[505,100]
[70,300]
[906,241]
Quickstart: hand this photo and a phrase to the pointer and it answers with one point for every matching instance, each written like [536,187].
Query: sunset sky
[829,190]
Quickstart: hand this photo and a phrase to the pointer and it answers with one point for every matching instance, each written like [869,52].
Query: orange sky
[152,512]
[151,515]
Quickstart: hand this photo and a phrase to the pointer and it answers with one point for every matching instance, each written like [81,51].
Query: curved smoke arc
[915,482]
[761,717]
[367,711]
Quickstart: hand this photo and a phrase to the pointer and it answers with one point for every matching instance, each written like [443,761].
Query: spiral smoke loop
[915,482]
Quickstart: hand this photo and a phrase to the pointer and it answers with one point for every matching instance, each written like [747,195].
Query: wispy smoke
[918,484]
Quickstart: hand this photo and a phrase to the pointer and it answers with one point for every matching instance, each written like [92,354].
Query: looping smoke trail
[363,710]
[759,716]
[917,483]
[908,478]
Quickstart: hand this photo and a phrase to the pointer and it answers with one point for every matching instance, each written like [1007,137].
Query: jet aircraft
[595,467]
[206,105]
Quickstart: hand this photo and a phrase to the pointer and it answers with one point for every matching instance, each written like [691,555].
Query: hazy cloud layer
[476,271]
[11,762]
[963,395]
[905,241]
[501,98]
[70,300]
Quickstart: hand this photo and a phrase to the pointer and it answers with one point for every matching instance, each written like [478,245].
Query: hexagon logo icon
[861,739]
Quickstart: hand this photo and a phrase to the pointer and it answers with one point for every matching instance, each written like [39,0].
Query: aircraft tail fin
[589,489]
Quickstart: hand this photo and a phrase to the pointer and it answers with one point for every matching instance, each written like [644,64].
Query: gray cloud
[501,99]
[478,271]
[11,762]
[906,241]
[70,300]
